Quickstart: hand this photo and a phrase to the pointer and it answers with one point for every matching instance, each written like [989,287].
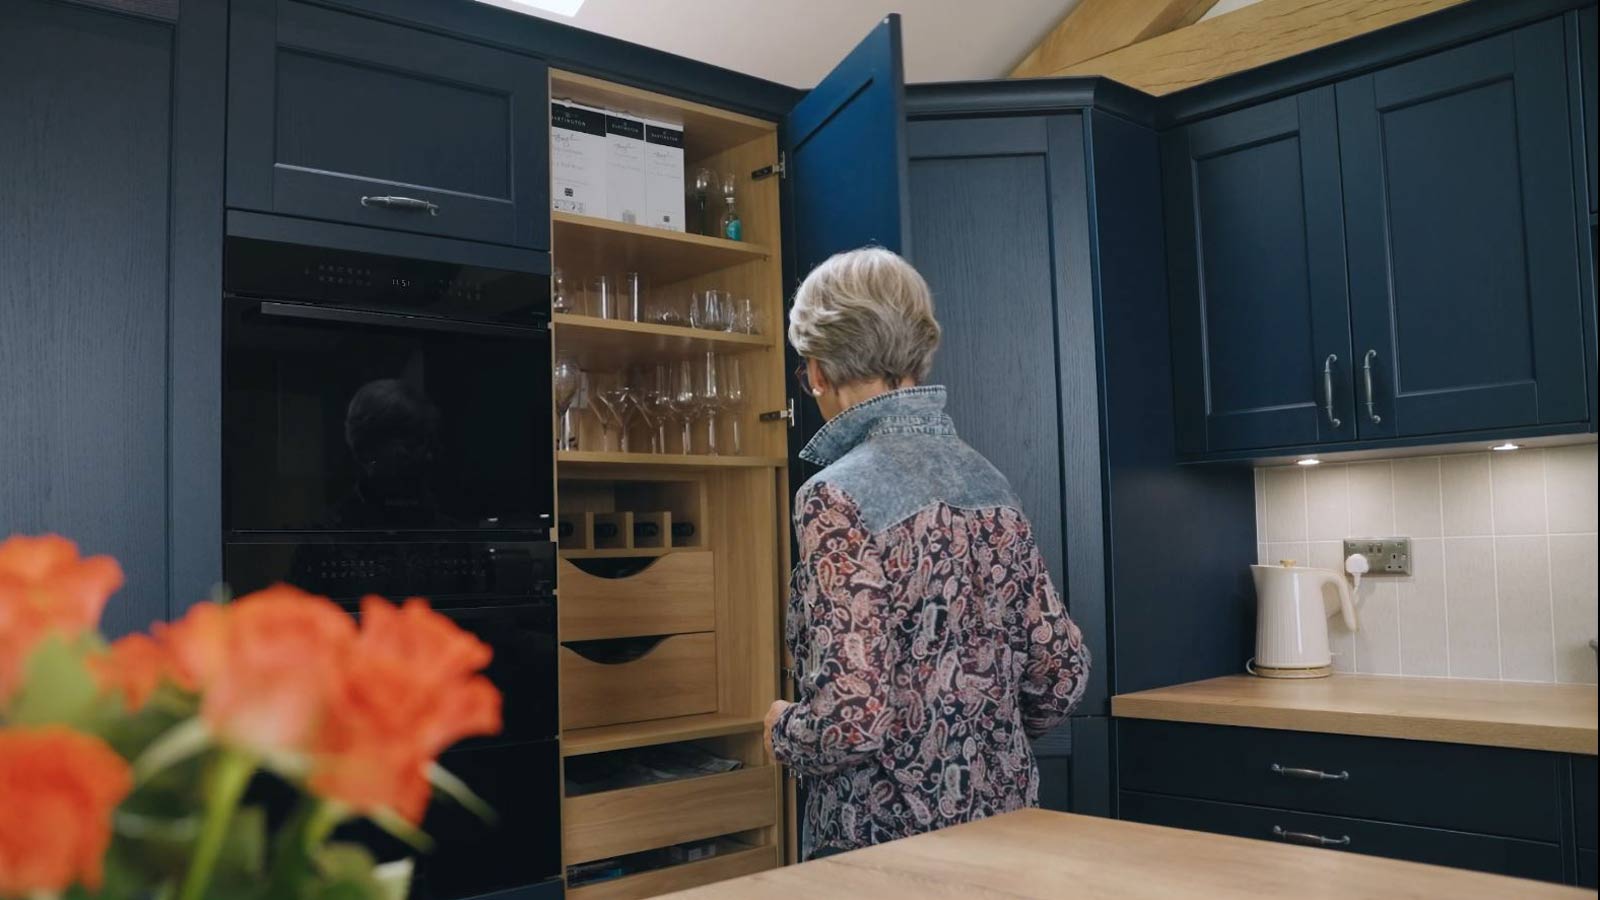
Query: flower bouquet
[124,767]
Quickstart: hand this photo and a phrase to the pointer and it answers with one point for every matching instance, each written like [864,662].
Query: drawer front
[680,878]
[673,595]
[677,677]
[1504,856]
[327,108]
[1480,789]
[1584,800]
[612,823]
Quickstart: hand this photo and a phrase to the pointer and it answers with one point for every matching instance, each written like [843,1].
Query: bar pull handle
[1327,388]
[405,204]
[1309,774]
[1311,840]
[1366,374]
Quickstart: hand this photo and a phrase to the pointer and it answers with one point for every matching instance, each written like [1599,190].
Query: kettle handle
[1347,602]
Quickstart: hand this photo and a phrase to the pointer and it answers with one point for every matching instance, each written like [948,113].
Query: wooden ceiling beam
[1246,38]
[1097,27]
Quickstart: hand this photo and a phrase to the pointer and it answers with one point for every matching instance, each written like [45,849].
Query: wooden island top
[1559,718]
[1039,854]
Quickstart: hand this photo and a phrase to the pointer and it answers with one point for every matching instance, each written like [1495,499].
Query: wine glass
[733,399]
[617,397]
[744,319]
[709,399]
[684,400]
[562,297]
[704,181]
[658,396]
[639,387]
[565,382]
[581,402]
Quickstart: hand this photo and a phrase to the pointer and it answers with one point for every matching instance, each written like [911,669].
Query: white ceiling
[796,42]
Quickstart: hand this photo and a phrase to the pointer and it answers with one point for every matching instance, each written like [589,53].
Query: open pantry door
[845,186]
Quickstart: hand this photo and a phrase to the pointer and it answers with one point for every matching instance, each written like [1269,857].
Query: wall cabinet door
[340,117]
[1460,207]
[1261,347]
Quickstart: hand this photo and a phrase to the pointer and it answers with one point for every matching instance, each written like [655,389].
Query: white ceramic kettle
[1293,607]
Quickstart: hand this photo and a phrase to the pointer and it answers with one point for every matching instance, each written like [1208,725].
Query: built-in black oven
[387,430]
[366,393]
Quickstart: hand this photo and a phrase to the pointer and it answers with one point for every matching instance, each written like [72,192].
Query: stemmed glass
[613,409]
[733,399]
[562,296]
[658,397]
[566,381]
[710,399]
[640,386]
[684,400]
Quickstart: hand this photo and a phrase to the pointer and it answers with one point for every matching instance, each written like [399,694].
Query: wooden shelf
[706,129]
[664,460]
[585,245]
[608,345]
[583,741]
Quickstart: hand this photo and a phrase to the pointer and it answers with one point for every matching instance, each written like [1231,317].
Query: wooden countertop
[1034,853]
[1555,717]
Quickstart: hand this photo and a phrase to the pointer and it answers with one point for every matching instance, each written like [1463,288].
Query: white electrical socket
[1388,556]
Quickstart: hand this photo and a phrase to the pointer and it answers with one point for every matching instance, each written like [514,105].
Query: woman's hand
[773,712]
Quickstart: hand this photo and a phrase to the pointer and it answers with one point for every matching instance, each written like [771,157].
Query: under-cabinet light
[1308,461]
[567,8]
[1506,446]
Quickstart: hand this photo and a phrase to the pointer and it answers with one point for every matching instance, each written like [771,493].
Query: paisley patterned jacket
[929,644]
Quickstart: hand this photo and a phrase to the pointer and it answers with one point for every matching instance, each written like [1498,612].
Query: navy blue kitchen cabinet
[1260,314]
[1585,80]
[344,118]
[1484,808]
[1466,310]
[110,251]
[1397,258]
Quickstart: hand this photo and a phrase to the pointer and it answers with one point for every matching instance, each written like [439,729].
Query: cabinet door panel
[84,248]
[1459,197]
[1260,317]
[328,108]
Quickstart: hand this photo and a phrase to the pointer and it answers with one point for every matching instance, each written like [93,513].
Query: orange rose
[59,788]
[45,587]
[133,667]
[265,665]
[408,691]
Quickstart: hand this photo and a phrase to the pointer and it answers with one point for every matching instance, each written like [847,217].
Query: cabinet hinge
[780,169]
[777,415]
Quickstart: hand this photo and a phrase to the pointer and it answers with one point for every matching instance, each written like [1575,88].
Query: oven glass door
[339,420]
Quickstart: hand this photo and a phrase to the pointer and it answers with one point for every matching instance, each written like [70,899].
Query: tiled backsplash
[1504,559]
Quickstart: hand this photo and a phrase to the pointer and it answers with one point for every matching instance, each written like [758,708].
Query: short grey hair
[864,315]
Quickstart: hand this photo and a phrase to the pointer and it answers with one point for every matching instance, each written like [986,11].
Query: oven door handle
[394,320]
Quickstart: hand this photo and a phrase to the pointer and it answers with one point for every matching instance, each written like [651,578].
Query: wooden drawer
[677,677]
[680,878]
[1486,790]
[675,594]
[1483,853]
[1583,800]
[612,823]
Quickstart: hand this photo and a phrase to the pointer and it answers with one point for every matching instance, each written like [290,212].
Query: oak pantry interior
[1150,283]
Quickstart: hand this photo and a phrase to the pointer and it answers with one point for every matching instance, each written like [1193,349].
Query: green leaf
[57,687]
[244,849]
[458,791]
[343,860]
[392,822]
[182,741]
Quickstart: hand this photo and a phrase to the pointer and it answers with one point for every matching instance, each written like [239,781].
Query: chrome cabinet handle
[1366,374]
[410,204]
[1313,840]
[1309,774]
[1327,388]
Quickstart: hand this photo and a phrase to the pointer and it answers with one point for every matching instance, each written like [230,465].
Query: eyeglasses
[802,377]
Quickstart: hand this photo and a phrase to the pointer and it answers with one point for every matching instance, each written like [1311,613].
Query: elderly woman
[929,643]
